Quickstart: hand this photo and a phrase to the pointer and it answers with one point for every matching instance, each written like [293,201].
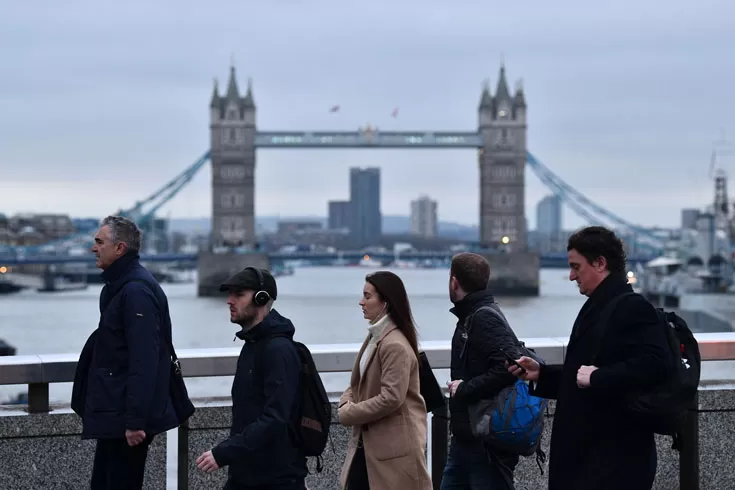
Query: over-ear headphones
[261,296]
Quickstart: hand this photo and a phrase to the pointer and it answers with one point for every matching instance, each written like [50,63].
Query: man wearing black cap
[261,452]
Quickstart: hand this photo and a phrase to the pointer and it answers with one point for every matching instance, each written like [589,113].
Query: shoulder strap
[494,311]
[600,328]
[468,324]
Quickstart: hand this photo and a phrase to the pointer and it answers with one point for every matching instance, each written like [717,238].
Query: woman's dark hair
[392,291]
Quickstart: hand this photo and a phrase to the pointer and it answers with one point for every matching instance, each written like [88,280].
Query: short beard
[245,320]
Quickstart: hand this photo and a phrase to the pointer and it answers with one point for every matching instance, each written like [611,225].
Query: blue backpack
[512,421]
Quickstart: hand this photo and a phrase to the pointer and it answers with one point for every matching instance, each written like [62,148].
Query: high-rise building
[340,215]
[366,222]
[548,215]
[423,217]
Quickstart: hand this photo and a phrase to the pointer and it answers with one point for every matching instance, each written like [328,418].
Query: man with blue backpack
[630,371]
[482,340]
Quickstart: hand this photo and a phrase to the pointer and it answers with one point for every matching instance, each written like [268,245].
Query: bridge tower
[502,159]
[232,152]
[232,131]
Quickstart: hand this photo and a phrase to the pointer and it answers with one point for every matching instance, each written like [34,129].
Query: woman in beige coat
[383,404]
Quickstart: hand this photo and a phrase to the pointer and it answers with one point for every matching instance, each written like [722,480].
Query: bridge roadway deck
[368,139]
[48,453]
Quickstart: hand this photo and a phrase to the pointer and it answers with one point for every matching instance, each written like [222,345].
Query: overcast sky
[102,104]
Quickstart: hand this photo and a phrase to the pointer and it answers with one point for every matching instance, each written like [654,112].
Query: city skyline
[98,115]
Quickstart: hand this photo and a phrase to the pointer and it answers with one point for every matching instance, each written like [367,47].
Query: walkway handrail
[38,371]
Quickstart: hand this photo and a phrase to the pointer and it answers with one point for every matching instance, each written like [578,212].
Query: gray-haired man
[121,388]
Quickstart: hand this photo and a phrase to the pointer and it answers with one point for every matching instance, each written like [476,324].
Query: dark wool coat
[595,444]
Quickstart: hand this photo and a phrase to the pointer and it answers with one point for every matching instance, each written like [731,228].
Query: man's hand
[533,369]
[453,385]
[583,375]
[134,437]
[206,462]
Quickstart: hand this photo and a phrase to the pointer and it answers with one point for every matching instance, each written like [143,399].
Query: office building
[548,215]
[366,220]
[339,215]
[423,217]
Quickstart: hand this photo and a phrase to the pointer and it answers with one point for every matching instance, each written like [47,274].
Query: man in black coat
[478,372]
[595,443]
[262,451]
[121,387]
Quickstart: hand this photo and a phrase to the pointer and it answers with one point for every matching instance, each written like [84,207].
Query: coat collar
[464,307]
[356,377]
[120,267]
[610,287]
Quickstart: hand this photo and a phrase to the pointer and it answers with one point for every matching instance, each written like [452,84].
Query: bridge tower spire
[232,91]
[502,162]
[232,132]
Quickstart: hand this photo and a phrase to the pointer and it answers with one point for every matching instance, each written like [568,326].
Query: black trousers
[357,479]
[118,466]
[286,486]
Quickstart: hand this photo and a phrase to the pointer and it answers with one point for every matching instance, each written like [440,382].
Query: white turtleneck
[374,332]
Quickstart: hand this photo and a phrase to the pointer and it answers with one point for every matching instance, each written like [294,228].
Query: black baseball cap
[248,279]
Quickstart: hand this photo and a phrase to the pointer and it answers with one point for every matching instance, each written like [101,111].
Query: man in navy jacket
[122,385]
[262,452]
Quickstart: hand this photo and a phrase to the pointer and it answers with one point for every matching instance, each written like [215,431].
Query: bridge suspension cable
[588,209]
[157,199]
[163,195]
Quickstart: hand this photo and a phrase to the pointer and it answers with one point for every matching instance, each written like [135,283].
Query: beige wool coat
[385,407]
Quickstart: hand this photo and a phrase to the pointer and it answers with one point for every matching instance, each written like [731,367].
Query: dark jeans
[471,467]
[118,466]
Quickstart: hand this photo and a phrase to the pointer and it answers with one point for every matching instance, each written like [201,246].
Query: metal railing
[39,371]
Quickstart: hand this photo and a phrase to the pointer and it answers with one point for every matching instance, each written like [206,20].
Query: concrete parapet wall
[45,451]
[514,274]
[214,269]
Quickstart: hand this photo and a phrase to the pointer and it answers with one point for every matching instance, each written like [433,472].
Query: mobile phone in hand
[510,360]
[514,362]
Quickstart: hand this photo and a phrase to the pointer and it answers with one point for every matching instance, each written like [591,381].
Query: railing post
[38,398]
[182,457]
[439,444]
[689,452]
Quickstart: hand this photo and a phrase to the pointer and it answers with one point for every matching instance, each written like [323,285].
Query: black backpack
[313,417]
[664,407]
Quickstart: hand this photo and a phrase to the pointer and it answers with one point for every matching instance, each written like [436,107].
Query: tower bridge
[500,139]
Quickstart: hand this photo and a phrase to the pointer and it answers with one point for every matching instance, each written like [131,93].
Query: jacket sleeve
[396,362]
[142,322]
[346,397]
[645,357]
[492,339]
[282,369]
[548,383]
